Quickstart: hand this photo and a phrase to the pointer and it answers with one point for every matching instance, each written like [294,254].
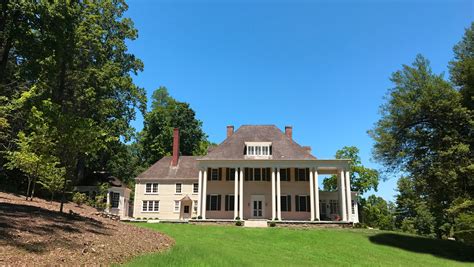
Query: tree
[425,132]
[167,113]
[362,178]
[52,178]
[376,212]
[462,67]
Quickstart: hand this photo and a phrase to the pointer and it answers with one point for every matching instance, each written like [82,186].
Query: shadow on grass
[440,248]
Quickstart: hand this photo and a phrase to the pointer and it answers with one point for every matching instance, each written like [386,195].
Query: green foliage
[362,178]
[376,212]
[79,198]
[166,114]
[462,210]
[425,132]
[462,67]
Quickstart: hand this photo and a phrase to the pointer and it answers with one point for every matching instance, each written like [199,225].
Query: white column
[236,193]
[273,194]
[278,195]
[316,196]
[342,196]
[348,197]
[199,193]
[311,194]
[204,194]
[241,194]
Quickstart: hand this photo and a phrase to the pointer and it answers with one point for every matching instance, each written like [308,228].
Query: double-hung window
[286,203]
[213,202]
[114,199]
[229,202]
[195,188]
[178,188]
[195,205]
[333,206]
[177,205]
[302,174]
[151,188]
[285,175]
[302,203]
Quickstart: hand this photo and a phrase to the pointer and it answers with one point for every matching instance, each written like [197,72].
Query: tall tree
[167,113]
[462,67]
[425,131]
[362,178]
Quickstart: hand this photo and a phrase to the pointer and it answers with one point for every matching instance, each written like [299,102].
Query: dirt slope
[35,233]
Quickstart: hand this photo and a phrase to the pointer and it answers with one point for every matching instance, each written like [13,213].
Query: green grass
[198,245]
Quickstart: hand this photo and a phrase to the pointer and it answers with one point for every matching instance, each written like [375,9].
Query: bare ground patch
[35,233]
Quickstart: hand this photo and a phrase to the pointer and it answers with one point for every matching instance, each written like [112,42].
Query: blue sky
[322,67]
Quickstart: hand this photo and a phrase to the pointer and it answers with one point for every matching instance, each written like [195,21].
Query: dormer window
[258,149]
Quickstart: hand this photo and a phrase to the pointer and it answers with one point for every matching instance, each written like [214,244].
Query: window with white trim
[114,199]
[258,149]
[178,188]
[151,206]
[213,202]
[151,188]
[285,203]
[229,202]
[177,205]
[195,205]
[214,174]
[302,203]
[195,188]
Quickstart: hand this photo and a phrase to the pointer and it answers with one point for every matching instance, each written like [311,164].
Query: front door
[258,203]
[186,213]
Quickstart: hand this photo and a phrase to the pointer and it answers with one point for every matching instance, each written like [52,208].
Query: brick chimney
[174,161]
[289,132]
[230,130]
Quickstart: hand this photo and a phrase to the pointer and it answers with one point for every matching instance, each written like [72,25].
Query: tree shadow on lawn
[447,249]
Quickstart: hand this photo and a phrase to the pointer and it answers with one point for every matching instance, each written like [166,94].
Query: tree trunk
[28,189]
[33,191]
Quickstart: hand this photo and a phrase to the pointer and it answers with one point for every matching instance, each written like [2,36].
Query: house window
[265,150]
[229,202]
[151,188]
[258,149]
[286,203]
[257,174]
[302,174]
[230,174]
[353,206]
[195,188]
[213,202]
[302,203]
[250,150]
[178,188]
[114,199]
[177,205]
[333,206]
[151,206]
[195,205]
[215,174]
[285,175]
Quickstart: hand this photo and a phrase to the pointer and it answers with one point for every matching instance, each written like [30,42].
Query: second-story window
[178,188]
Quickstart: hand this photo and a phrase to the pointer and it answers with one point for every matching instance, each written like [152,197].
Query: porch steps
[255,223]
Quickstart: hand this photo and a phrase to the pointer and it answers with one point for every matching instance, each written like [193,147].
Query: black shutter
[246,174]
[251,174]
[297,203]
[208,202]
[227,174]
[270,150]
[220,174]
[226,202]
[296,175]
[307,204]
[245,150]
[218,202]
[209,174]
[269,174]
[307,174]
[289,202]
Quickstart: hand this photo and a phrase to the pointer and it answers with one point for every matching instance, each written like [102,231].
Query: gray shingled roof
[283,148]
[187,169]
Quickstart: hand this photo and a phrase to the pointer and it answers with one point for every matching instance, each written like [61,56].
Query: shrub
[199,217]
[272,224]
[237,218]
[465,236]
[79,198]
[238,223]
[360,225]
[275,219]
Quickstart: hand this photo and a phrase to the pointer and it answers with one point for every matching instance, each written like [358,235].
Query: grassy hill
[235,246]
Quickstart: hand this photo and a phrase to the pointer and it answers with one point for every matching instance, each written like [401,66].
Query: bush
[408,226]
[237,218]
[360,225]
[272,224]
[238,223]
[79,198]
[465,236]
[199,217]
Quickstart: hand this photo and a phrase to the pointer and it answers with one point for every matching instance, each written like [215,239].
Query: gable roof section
[187,168]
[283,148]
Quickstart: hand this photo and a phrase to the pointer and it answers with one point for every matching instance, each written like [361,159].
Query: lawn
[236,246]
